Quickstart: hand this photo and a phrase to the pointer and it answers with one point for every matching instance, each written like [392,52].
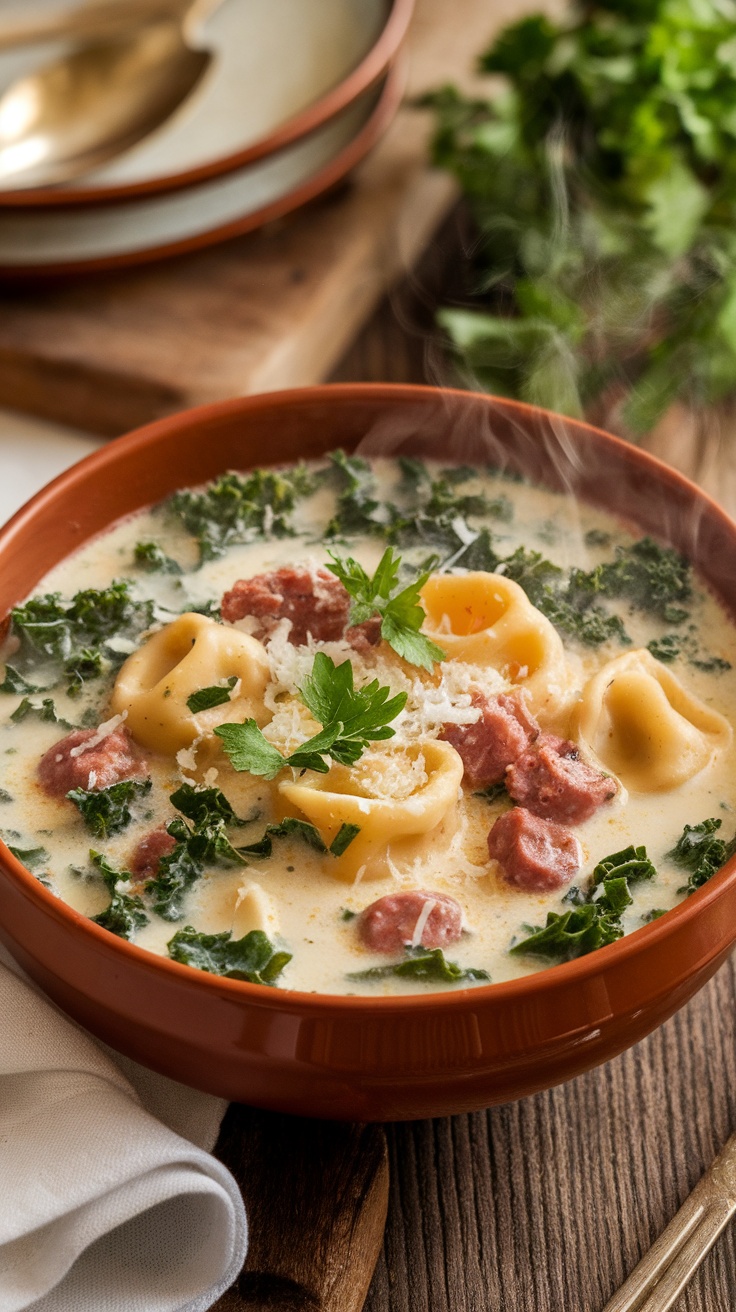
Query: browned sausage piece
[314,600]
[504,730]
[148,853]
[104,762]
[533,853]
[418,917]
[551,780]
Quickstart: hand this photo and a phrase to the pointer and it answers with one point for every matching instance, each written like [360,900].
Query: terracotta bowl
[365,1058]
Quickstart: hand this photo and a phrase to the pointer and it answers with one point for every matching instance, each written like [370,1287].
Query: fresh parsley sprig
[351,718]
[400,609]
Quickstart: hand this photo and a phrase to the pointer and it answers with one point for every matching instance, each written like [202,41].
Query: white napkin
[104,1208]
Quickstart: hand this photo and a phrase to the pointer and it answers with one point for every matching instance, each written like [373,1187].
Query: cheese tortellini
[386,823]
[193,652]
[640,722]
[486,619]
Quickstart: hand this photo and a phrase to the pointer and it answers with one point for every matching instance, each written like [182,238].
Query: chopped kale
[631,863]
[308,833]
[14,682]
[126,912]
[667,648]
[152,558]
[651,578]
[494,793]
[654,914]
[595,917]
[45,711]
[107,811]
[204,804]
[426,964]
[437,515]
[357,509]
[32,857]
[70,634]
[699,851]
[568,602]
[238,508]
[203,843]
[711,664]
[252,958]
[576,932]
[205,698]
[347,914]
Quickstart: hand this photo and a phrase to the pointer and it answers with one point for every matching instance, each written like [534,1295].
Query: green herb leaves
[241,508]
[106,811]
[701,852]
[308,833]
[205,698]
[601,181]
[126,911]
[251,958]
[595,917]
[351,719]
[400,610]
[426,964]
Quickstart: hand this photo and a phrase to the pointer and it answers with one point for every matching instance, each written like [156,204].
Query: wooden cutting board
[274,309]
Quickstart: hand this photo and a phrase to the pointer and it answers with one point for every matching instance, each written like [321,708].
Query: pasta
[370,728]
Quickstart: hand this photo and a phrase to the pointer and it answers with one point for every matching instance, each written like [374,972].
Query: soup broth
[268,727]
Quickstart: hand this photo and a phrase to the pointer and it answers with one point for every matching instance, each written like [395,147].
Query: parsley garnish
[427,964]
[701,852]
[106,811]
[351,719]
[251,958]
[205,698]
[126,912]
[400,609]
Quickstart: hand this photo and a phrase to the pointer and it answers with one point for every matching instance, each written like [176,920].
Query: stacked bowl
[293,94]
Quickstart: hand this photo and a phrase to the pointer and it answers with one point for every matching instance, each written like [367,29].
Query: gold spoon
[130,67]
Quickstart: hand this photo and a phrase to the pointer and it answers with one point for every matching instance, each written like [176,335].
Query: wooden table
[546,1204]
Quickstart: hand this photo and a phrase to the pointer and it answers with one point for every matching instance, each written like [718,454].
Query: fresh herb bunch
[351,719]
[603,187]
[400,609]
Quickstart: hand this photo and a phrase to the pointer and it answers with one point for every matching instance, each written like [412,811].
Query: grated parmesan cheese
[103,731]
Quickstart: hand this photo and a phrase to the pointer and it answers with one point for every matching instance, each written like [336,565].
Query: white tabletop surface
[31,453]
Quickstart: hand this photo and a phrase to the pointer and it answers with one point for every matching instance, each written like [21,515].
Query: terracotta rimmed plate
[359,1057]
[44,244]
[263,92]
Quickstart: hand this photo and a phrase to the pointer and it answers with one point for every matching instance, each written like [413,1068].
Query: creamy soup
[370,728]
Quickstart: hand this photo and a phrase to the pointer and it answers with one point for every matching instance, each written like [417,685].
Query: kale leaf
[107,811]
[71,634]
[200,844]
[357,510]
[595,917]
[32,857]
[152,558]
[238,508]
[294,828]
[699,851]
[45,711]
[351,718]
[126,912]
[252,958]
[426,964]
[400,609]
[14,682]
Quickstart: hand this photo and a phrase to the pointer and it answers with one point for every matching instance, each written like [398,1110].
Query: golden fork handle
[91,21]
[660,1277]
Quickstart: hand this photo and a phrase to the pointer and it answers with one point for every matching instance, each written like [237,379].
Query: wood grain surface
[545,1205]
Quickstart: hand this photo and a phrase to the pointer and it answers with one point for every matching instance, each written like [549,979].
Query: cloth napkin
[109,1201]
